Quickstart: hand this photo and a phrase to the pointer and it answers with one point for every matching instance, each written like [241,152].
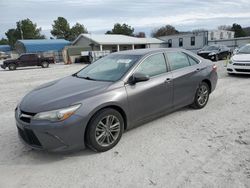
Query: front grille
[242,70]
[29,137]
[242,64]
[26,116]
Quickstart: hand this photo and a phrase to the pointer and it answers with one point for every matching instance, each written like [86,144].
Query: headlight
[230,61]
[212,53]
[57,115]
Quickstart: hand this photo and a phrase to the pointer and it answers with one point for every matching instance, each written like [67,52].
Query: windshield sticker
[124,61]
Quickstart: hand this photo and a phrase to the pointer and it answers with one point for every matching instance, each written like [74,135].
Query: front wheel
[104,130]
[45,64]
[201,96]
[12,66]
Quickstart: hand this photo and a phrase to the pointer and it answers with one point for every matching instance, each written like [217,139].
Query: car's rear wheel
[104,130]
[201,96]
[45,64]
[12,66]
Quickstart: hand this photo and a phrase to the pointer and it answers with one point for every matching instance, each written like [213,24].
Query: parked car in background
[115,93]
[215,52]
[4,55]
[240,62]
[26,60]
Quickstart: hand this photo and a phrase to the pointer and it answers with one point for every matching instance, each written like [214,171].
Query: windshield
[109,68]
[210,48]
[244,50]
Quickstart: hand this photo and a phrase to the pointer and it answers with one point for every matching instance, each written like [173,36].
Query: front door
[153,96]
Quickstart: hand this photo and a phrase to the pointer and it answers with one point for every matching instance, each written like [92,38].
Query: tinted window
[177,60]
[108,68]
[24,57]
[153,65]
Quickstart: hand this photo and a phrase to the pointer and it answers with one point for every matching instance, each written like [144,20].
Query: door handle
[198,69]
[168,80]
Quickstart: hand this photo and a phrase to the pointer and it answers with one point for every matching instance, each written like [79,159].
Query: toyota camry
[93,107]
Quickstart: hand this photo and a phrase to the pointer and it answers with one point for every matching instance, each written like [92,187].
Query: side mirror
[138,77]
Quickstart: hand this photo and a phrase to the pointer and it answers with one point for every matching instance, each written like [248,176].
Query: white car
[240,62]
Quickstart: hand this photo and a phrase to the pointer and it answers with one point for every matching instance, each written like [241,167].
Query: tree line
[26,29]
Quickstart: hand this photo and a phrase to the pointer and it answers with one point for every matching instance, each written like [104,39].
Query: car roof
[148,51]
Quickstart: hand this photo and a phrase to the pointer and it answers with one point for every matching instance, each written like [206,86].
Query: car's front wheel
[104,130]
[45,64]
[12,66]
[201,96]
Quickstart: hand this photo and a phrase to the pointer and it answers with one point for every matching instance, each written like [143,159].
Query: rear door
[186,73]
[153,96]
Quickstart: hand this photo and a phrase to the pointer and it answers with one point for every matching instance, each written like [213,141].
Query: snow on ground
[187,148]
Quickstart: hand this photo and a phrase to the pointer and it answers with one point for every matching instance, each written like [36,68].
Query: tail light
[214,68]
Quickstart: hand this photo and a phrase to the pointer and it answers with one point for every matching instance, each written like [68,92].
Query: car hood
[241,57]
[61,93]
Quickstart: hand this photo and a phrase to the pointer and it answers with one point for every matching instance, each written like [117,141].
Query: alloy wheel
[107,130]
[202,96]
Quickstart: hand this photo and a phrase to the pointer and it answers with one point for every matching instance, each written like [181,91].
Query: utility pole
[21,31]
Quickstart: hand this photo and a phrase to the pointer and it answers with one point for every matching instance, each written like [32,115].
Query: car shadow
[22,69]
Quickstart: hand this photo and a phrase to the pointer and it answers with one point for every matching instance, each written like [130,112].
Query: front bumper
[3,66]
[238,68]
[61,136]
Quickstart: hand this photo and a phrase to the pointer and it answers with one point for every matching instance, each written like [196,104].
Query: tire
[12,66]
[201,96]
[101,124]
[45,64]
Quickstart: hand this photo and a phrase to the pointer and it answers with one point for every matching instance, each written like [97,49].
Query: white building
[113,42]
[196,40]
[220,35]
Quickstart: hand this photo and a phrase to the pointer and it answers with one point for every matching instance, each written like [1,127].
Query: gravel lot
[187,148]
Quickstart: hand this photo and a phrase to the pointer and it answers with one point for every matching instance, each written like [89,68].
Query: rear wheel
[12,66]
[201,96]
[105,130]
[45,64]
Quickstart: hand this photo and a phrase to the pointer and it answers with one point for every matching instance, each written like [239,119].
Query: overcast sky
[144,15]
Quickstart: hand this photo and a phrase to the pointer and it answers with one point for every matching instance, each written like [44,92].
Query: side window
[177,60]
[23,57]
[192,60]
[153,65]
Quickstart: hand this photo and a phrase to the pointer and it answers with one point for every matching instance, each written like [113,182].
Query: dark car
[117,92]
[26,60]
[215,52]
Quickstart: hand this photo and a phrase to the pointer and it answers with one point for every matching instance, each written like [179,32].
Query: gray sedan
[94,106]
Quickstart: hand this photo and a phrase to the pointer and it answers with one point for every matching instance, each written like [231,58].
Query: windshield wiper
[84,77]
[88,78]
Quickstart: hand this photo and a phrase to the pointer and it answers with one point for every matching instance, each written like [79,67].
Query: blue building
[42,46]
[5,48]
